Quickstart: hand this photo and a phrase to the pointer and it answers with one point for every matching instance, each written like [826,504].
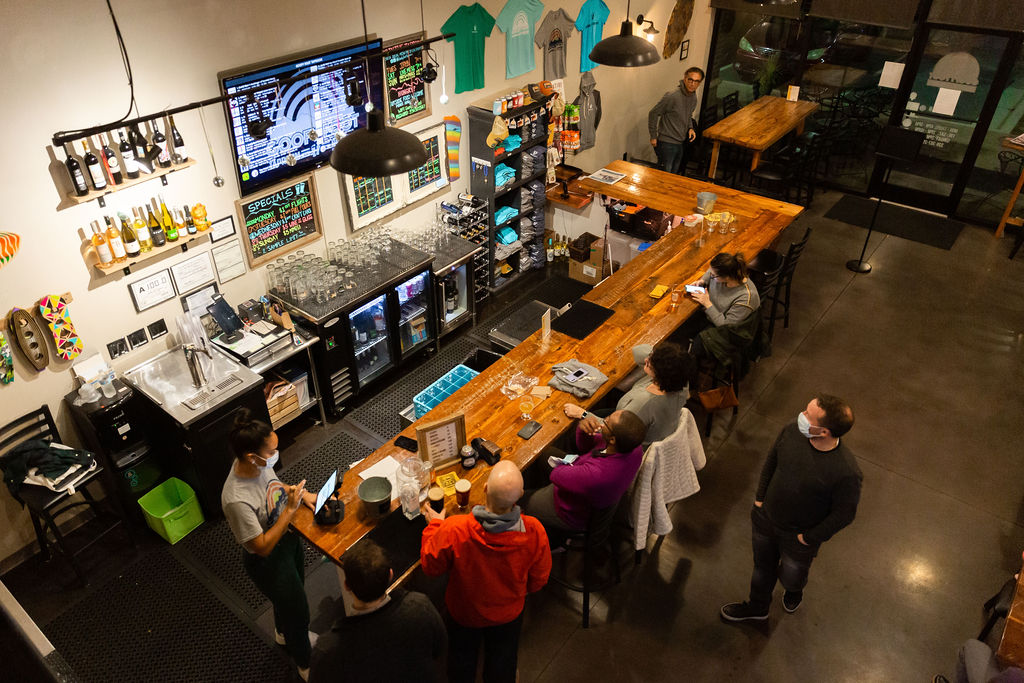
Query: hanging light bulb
[649,31]
[625,49]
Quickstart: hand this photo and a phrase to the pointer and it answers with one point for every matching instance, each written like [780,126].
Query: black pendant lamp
[378,150]
[625,49]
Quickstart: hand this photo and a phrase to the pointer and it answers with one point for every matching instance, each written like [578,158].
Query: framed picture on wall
[152,290]
[193,272]
[222,229]
[684,50]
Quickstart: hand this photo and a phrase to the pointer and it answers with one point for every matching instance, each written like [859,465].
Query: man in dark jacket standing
[670,122]
[808,491]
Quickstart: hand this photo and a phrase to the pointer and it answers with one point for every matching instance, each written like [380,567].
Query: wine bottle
[114,239]
[131,167]
[138,141]
[131,241]
[160,142]
[170,232]
[94,167]
[190,225]
[179,223]
[156,232]
[142,230]
[99,243]
[179,143]
[110,158]
[75,171]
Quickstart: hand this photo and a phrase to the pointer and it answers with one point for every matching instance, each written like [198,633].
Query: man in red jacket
[494,556]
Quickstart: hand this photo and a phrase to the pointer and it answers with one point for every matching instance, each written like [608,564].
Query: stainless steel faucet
[191,352]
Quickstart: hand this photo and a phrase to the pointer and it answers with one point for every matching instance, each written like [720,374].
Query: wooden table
[638,319]
[1013,197]
[758,126]
[1011,645]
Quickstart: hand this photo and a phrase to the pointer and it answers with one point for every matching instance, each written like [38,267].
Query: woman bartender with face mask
[259,507]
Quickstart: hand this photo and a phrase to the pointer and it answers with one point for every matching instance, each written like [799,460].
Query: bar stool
[768,260]
[598,534]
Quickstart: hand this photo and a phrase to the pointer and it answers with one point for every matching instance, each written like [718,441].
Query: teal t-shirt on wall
[590,24]
[471,25]
[517,21]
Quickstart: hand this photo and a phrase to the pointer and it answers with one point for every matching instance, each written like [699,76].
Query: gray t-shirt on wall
[551,38]
[251,506]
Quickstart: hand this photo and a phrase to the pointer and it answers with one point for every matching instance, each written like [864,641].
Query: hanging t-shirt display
[590,24]
[517,21]
[552,35]
[471,25]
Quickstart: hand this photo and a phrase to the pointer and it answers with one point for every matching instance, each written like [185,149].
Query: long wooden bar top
[677,258]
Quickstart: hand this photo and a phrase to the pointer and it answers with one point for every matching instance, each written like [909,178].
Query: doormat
[897,221]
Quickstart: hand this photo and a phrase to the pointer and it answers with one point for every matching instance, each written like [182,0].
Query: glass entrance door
[947,101]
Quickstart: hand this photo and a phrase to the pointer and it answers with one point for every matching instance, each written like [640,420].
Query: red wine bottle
[94,167]
[131,167]
[179,143]
[112,164]
[75,171]
[160,142]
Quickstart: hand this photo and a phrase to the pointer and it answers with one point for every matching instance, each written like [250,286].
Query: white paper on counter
[945,101]
[892,72]
[387,468]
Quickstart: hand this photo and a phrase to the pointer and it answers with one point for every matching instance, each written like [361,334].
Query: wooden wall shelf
[135,262]
[72,199]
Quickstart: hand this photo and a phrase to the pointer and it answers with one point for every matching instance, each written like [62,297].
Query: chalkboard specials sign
[278,220]
[403,80]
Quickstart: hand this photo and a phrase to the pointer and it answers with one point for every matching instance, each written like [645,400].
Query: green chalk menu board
[403,80]
[278,220]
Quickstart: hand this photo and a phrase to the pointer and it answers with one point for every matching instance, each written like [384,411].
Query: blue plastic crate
[442,389]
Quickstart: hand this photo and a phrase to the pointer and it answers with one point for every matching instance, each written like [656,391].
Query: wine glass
[526,406]
[712,222]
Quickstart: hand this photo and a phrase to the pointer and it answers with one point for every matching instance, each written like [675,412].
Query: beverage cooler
[372,328]
[455,266]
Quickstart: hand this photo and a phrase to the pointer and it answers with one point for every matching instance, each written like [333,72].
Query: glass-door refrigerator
[415,330]
[369,328]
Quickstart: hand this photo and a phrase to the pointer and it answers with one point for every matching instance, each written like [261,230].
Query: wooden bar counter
[676,258]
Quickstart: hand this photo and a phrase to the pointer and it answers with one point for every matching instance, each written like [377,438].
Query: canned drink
[496,107]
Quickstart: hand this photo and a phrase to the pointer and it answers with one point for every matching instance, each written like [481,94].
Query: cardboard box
[594,269]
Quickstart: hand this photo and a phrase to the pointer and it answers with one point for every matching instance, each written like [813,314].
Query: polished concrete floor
[928,350]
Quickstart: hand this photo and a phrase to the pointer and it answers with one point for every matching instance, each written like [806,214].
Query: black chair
[746,342]
[596,536]
[998,606]
[792,175]
[46,506]
[767,284]
[730,103]
[768,260]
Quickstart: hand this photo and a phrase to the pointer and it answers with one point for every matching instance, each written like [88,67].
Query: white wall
[61,70]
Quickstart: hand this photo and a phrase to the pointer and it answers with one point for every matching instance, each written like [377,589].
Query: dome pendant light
[377,150]
[625,49]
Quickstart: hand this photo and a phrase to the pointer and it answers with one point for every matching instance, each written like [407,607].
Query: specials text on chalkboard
[403,80]
[279,220]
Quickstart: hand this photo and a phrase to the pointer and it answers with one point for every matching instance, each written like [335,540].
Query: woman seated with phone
[660,393]
[728,296]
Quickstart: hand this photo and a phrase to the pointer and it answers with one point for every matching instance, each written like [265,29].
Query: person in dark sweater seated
[809,489]
[391,637]
[610,453]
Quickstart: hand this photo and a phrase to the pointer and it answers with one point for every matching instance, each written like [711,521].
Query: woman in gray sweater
[729,299]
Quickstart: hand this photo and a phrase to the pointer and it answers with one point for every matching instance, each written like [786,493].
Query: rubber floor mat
[155,621]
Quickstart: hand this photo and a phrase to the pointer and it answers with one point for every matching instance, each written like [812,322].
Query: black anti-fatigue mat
[134,629]
[212,552]
[583,318]
[935,231]
[379,415]
[559,290]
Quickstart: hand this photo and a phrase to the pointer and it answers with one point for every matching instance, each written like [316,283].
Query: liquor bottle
[179,223]
[110,157]
[142,231]
[179,143]
[99,242]
[75,171]
[160,142]
[131,241]
[155,231]
[94,167]
[131,167]
[170,232]
[551,249]
[114,240]
[451,296]
[190,225]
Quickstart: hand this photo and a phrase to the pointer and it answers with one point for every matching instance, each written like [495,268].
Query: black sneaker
[743,611]
[790,603]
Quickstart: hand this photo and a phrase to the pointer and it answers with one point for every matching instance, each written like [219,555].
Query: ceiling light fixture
[377,150]
[625,49]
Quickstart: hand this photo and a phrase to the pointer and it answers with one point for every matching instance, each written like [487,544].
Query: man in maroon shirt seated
[610,453]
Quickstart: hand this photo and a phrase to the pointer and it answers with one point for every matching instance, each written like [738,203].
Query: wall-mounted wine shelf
[135,262]
[98,195]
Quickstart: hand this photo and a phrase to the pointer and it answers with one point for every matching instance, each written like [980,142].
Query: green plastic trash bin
[172,510]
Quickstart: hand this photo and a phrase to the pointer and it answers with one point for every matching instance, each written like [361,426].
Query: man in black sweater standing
[670,122]
[809,490]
